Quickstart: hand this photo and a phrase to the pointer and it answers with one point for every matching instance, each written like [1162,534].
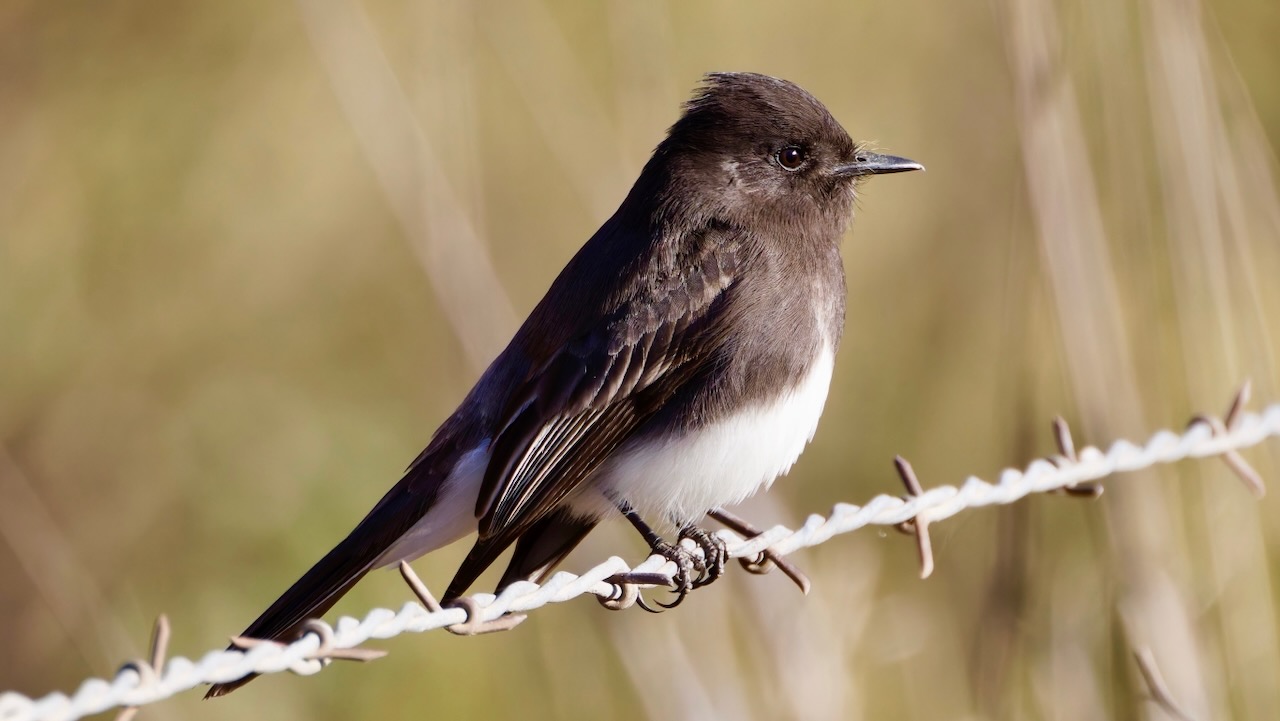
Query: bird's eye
[791,157]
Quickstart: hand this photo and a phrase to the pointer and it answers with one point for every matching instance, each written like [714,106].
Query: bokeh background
[251,254]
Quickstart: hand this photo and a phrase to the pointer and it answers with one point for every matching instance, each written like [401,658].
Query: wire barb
[1221,427]
[326,652]
[614,582]
[1067,456]
[917,525]
[626,590]
[473,626]
[766,560]
[159,647]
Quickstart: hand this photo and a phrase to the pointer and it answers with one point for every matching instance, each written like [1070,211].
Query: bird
[679,363]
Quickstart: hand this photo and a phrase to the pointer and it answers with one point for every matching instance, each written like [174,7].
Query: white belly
[677,480]
[681,478]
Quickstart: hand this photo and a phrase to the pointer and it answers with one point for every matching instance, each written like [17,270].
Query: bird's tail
[311,596]
[340,569]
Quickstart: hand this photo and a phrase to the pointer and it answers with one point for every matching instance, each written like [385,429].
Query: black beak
[875,164]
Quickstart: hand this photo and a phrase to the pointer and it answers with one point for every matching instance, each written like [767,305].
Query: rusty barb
[917,526]
[1222,426]
[149,670]
[1066,457]
[324,653]
[472,626]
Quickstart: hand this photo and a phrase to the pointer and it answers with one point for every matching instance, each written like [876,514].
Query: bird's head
[754,148]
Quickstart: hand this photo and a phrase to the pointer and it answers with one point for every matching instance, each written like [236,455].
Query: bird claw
[715,554]
[682,581]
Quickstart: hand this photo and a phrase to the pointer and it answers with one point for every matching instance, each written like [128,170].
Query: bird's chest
[679,477]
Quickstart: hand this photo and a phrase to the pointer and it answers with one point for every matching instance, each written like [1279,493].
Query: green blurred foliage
[221,339]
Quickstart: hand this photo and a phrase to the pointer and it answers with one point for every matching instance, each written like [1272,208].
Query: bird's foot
[715,553]
[683,581]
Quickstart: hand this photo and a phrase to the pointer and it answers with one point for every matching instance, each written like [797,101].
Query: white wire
[136,684]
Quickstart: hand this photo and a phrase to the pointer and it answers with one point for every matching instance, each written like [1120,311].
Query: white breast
[676,480]
[683,477]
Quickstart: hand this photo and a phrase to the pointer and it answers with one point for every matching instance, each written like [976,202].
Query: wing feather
[583,403]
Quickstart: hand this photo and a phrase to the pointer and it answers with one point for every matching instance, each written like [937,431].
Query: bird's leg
[715,553]
[686,561]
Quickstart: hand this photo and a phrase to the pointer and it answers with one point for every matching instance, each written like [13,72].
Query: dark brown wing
[568,417]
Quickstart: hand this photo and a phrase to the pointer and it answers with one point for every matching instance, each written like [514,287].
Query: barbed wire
[617,585]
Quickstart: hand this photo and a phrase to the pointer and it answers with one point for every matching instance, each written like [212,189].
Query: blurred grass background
[251,254]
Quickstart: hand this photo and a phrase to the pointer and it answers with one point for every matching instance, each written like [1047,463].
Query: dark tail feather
[543,547]
[539,548]
[330,579]
[311,596]
[338,571]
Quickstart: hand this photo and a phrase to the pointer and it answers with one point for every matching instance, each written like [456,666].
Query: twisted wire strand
[137,683]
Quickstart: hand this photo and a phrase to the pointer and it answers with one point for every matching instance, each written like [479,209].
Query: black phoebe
[679,363]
